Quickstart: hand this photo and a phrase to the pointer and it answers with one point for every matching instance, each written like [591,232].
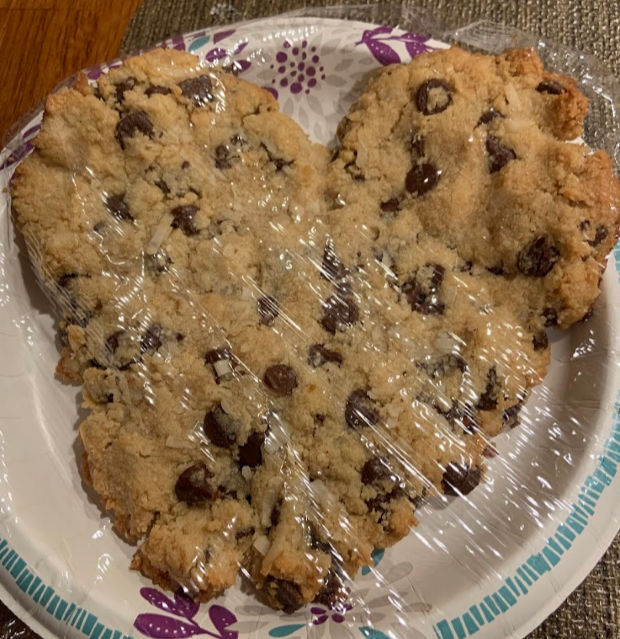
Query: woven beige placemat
[593,610]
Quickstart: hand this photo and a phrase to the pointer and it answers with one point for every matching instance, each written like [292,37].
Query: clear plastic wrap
[224,433]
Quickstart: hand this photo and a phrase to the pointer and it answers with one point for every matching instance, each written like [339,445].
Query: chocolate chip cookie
[281,358]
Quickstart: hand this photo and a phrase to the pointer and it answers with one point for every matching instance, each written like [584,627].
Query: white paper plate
[492,565]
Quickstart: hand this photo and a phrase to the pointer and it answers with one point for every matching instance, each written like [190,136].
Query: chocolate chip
[489,116]
[433,96]
[421,179]
[152,339]
[281,379]
[540,341]
[274,518]
[332,268]
[550,316]
[163,187]
[222,157]
[390,206]
[185,164]
[286,593]
[251,454]
[268,309]
[66,279]
[216,355]
[333,590]
[131,123]
[192,486]
[498,269]
[95,364]
[119,208]
[237,140]
[183,218]
[375,470]
[245,532]
[318,355]
[354,171]
[381,502]
[422,290]
[488,400]
[588,314]
[601,234]
[359,410]
[510,416]
[538,257]
[339,313]
[220,427]
[156,89]
[111,343]
[279,163]
[124,85]
[98,228]
[550,86]
[499,155]
[459,479]
[466,266]
[199,89]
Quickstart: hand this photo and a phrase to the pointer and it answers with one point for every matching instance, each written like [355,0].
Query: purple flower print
[297,68]
[167,627]
[337,612]
[376,41]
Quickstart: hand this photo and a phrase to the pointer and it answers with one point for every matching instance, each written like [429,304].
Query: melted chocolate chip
[550,86]
[354,171]
[489,398]
[66,279]
[119,208]
[510,416]
[391,206]
[498,269]
[286,593]
[540,341]
[199,89]
[183,218]
[421,179]
[433,96]
[499,155]
[422,290]
[318,355]
[359,410]
[274,518]
[268,309]
[251,454]
[156,89]
[192,486]
[222,157]
[600,235]
[121,87]
[245,532]
[220,427]
[281,379]
[459,479]
[152,339]
[333,590]
[95,364]
[332,268]
[131,123]
[163,187]
[550,316]
[489,116]
[375,470]
[538,257]
[111,343]
[339,313]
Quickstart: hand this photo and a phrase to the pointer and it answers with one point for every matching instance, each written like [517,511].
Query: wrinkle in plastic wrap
[495,559]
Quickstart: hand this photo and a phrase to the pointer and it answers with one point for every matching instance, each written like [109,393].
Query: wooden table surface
[44,41]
